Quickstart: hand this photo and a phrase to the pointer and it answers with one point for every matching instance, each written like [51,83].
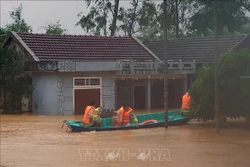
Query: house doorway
[86,89]
[83,97]
[139,97]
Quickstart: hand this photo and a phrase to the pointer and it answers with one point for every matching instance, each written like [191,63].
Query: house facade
[69,71]
[199,49]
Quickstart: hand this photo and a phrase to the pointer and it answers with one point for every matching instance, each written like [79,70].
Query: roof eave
[150,52]
[236,46]
[19,39]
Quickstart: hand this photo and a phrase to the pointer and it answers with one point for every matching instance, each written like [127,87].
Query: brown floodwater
[39,141]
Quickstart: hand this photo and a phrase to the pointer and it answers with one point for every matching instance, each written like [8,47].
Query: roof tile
[84,48]
[200,49]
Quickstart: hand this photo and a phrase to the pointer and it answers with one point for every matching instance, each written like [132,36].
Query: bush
[233,98]
[14,83]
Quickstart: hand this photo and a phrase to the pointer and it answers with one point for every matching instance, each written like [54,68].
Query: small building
[69,71]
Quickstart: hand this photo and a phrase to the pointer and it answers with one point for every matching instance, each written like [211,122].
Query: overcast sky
[39,13]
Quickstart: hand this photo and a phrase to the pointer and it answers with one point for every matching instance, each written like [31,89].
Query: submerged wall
[53,94]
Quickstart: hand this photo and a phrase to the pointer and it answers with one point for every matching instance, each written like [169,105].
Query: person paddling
[186,103]
[91,116]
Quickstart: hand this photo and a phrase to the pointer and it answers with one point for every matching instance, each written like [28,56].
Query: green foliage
[233,101]
[55,28]
[97,18]
[129,18]
[149,25]
[19,24]
[231,14]
[245,29]
[202,93]
[14,83]
[245,4]
[186,18]
[231,68]
[3,35]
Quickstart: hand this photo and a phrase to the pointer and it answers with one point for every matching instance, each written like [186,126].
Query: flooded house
[200,50]
[69,71]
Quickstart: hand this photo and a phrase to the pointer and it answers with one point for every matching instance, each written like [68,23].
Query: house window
[94,81]
[80,82]
[87,81]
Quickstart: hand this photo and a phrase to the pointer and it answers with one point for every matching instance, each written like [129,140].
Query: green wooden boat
[175,118]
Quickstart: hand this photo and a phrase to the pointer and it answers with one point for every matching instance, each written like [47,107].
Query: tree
[115,14]
[234,102]
[202,92]
[149,25]
[19,24]
[55,28]
[165,4]
[151,19]
[129,18]
[178,11]
[245,4]
[3,35]
[14,83]
[245,29]
[231,14]
[216,68]
[97,18]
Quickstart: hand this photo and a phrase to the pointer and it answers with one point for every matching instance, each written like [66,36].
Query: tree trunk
[177,18]
[133,20]
[113,27]
[165,63]
[216,86]
[105,27]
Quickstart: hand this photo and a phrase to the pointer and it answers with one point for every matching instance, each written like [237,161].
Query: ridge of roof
[200,37]
[73,35]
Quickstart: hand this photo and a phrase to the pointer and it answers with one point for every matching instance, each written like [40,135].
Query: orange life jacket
[125,116]
[86,117]
[186,102]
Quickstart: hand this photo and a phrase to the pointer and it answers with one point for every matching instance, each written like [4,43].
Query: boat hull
[174,120]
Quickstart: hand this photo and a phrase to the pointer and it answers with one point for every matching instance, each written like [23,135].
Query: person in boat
[91,116]
[186,103]
[123,117]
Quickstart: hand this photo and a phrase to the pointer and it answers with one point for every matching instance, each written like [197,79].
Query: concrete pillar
[148,98]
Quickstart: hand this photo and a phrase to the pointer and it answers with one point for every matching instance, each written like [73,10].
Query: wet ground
[35,141]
